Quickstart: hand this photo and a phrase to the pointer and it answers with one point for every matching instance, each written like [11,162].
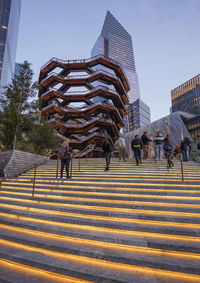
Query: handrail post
[167,162]
[1,180]
[79,167]
[182,170]
[71,167]
[57,166]
[86,157]
[33,192]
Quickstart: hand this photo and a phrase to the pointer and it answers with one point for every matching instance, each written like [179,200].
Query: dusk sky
[165,34]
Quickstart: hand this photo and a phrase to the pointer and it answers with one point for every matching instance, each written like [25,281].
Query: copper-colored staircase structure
[89,116]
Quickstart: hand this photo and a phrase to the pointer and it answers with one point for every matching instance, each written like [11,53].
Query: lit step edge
[22,271]
[117,250]
[96,267]
[30,184]
[101,208]
[71,181]
[121,221]
[176,197]
[107,231]
[113,201]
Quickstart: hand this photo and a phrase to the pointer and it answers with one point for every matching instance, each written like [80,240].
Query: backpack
[198,145]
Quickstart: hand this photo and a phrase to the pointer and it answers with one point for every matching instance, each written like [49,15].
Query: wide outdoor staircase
[131,224]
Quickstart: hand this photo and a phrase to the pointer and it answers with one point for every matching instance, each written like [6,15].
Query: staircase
[131,224]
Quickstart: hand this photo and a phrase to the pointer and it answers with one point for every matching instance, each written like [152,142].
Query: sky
[165,34]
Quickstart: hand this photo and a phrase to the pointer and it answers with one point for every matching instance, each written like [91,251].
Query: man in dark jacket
[184,149]
[145,144]
[107,148]
[136,146]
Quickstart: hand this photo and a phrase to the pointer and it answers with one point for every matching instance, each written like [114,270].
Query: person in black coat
[145,144]
[107,148]
[136,146]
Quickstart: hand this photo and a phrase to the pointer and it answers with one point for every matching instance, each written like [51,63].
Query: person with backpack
[158,141]
[145,144]
[168,150]
[136,146]
[107,148]
[65,153]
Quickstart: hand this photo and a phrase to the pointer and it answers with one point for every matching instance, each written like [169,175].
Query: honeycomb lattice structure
[86,99]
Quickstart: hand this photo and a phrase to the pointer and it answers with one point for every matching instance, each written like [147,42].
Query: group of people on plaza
[138,145]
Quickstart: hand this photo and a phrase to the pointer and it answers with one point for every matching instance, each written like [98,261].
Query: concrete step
[143,256]
[12,271]
[96,269]
[131,224]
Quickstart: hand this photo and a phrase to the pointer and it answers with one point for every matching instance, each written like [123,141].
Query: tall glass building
[9,26]
[116,43]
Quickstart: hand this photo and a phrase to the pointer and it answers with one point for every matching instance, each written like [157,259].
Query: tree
[18,107]
[42,137]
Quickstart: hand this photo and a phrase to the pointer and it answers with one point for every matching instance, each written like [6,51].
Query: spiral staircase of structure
[86,99]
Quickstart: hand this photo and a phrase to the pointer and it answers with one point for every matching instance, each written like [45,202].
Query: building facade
[138,116]
[9,26]
[186,97]
[116,43]
[193,126]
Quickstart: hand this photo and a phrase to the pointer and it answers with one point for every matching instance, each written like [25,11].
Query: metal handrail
[81,60]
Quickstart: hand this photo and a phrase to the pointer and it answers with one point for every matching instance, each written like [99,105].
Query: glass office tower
[116,43]
[9,26]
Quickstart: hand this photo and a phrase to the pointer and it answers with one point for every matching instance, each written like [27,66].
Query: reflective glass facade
[9,25]
[115,42]
[138,116]
[186,97]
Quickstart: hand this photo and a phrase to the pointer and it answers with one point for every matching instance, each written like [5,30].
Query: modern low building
[116,43]
[186,97]
[9,26]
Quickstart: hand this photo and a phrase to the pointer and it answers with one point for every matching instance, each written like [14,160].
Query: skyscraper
[9,26]
[116,43]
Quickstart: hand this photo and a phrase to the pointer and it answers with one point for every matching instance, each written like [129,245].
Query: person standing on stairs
[158,141]
[145,145]
[65,153]
[122,148]
[107,148]
[168,149]
[136,146]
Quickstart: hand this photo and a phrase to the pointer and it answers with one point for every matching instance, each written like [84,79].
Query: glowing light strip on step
[98,200]
[27,185]
[105,265]
[123,178]
[33,271]
[100,244]
[111,183]
[113,219]
[111,231]
[101,208]
[105,194]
